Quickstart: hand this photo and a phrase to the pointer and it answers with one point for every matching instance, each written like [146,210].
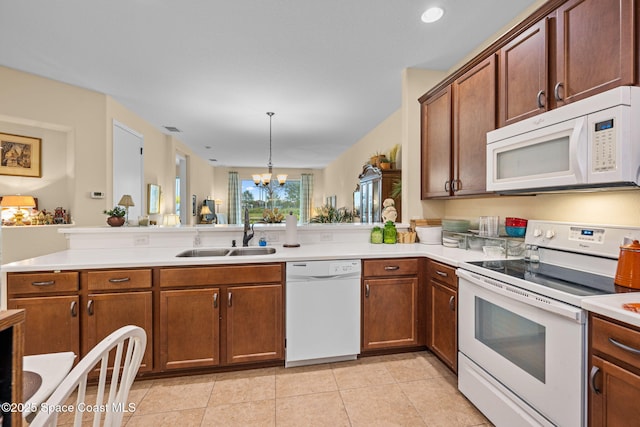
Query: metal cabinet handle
[452,300]
[442,273]
[366,290]
[592,380]
[556,91]
[90,307]
[624,346]
[215,300]
[446,186]
[456,184]
[539,99]
[229,299]
[391,267]
[45,283]
[74,308]
[120,280]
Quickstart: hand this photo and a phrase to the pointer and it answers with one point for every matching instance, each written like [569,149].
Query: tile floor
[409,389]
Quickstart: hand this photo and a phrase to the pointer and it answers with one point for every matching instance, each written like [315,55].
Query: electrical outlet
[273,237]
[197,241]
[142,240]
[326,237]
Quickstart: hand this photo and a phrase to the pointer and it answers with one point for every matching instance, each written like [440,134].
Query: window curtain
[233,199]
[306,197]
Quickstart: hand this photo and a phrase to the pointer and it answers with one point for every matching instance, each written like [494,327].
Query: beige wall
[76,127]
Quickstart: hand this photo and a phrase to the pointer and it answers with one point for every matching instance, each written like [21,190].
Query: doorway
[127,168]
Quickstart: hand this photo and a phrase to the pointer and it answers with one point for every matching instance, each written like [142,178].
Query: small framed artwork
[20,155]
[194,205]
[153,198]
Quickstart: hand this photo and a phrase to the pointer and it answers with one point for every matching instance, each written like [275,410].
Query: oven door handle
[521,295]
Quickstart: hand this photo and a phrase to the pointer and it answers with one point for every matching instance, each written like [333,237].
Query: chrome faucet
[247,226]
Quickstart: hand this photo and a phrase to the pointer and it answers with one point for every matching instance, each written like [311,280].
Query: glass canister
[376,235]
[390,232]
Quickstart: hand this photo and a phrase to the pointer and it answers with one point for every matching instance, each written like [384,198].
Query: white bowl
[429,235]
[493,251]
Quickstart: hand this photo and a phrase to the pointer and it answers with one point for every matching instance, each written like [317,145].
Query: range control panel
[593,239]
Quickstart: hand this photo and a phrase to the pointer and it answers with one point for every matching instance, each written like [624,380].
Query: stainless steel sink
[252,251]
[204,252]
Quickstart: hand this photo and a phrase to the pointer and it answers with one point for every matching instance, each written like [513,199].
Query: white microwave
[589,144]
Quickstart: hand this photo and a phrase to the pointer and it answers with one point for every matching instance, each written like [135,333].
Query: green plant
[396,189]
[393,153]
[272,216]
[329,214]
[116,211]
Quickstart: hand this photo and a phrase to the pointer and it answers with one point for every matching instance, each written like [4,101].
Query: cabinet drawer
[442,273]
[35,283]
[390,267]
[227,275]
[110,280]
[605,334]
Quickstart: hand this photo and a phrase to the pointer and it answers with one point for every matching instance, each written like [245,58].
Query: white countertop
[152,257]
[611,306]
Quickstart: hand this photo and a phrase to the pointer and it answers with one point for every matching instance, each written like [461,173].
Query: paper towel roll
[291,233]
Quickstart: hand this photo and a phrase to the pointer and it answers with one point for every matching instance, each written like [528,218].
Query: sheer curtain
[233,199]
[306,197]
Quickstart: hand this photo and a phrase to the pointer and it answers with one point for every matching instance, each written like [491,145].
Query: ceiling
[330,70]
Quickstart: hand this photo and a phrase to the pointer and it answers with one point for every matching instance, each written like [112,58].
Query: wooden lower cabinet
[107,312]
[614,373]
[390,304]
[52,306]
[442,336]
[208,321]
[189,328]
[254,323]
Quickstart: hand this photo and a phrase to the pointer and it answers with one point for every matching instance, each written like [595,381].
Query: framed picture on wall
[20,155]
[153,198]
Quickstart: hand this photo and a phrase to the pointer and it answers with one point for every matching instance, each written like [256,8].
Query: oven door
[533,346]
[553,156]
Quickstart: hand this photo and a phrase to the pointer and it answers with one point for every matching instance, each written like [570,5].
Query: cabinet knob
[391,267]
[441,273]
[447,186]
[624,346]
[539,99]
[229,299]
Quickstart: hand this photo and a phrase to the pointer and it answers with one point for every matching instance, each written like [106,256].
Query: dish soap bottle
[376,235]
[390,232]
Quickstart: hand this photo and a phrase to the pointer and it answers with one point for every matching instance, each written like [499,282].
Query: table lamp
[126,201]
[18,202]
[218,203]
[204,211]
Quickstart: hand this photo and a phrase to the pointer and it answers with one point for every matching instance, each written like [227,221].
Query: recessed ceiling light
[432,15]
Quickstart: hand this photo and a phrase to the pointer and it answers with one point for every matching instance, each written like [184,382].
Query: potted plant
[393,155]
[385,163]
[376,158]
[116,216]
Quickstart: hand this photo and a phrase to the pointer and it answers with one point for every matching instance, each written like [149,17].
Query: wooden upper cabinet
[523,87]
[474,114]
[595,42]
[436,145]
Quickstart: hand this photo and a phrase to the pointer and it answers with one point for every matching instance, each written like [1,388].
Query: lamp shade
[126,200]
[218,202]
[205,210]
[18,201]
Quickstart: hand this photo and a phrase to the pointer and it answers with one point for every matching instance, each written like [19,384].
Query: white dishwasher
[322,311]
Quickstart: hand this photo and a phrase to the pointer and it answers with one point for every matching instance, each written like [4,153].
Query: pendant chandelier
[264,179]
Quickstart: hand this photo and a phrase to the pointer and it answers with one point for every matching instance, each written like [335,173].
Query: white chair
[52,368]
[129,339]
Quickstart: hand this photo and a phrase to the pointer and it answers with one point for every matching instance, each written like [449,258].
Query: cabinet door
[523,75]
[443,323]
[474,114]
[390,313]
[189,328]
[52,324]
[594,48]
[436,145]
[108,312]
[614,393]
[254,323]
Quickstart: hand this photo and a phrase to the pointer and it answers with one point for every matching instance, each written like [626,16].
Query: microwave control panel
[604,146]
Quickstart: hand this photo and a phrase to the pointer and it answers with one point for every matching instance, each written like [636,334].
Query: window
[258,198]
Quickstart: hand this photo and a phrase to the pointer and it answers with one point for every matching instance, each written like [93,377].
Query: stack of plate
[455,225]
[450,242]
